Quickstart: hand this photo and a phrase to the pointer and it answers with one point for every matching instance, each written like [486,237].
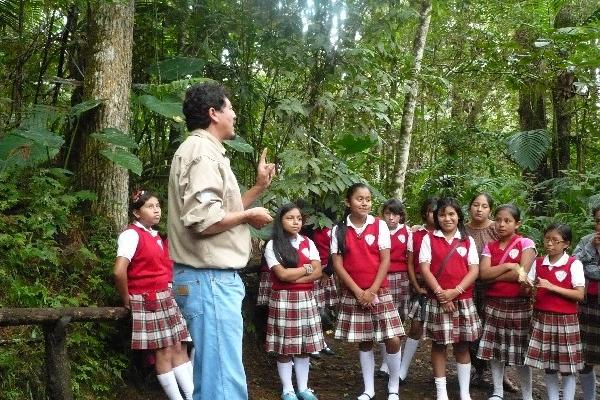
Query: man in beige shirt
[209,240]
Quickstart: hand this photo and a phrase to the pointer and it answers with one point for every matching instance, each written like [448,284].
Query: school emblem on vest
[560,275]
[461,250]
[369,239]
[306,252]
[402,238]
[513,253]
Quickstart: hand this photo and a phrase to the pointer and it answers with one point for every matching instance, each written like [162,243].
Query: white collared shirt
[129,239]
[425,253]
[313,253]
[577,276]
[383,241]
[409,242]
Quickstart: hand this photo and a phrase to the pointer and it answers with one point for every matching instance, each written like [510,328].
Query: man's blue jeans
[211,302]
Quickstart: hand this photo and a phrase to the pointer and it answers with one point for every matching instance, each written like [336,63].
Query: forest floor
[339,377]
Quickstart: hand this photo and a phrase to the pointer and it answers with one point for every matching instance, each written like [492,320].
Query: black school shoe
[327,351]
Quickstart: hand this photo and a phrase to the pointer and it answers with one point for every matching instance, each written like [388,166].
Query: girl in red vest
[555,343]
[143,272]
[449,264]
[394,215]
[360,248]
[293,325]
[418,288]
[588,252]
[508,310]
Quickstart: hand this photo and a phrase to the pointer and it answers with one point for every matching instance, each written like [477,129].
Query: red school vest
[361,258]
[417,238]
[303,252]
[505,289]
[150,269]
[457,265]
[398,257]
[560,275]
[322,240]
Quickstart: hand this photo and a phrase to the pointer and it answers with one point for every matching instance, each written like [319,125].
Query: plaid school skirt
[555,343]
[156,323]
[294,324]
[326,294]
[358,324]
[506,328]
[399,287]
[462,325]
[264,288]
[589,321]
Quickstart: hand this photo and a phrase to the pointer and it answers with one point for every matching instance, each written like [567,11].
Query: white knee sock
[525,380]
[393,361]
[569,382]
[440,388]
[410,348]
[367,366]
[497,368]
[588,385]
[169,385]
[301,366]
[285,375]
[185,379]
[384,366]
[552,385]
[464,380]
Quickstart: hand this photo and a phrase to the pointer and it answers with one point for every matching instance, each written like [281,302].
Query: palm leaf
[529,148]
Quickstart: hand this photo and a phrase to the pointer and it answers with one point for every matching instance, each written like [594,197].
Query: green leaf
[176,68]
[239,144]
[171,110]
[82,107]
[115,136]
[17,150]
[41,136]
[528,148]
[351,144]
[291,106]
[124,159]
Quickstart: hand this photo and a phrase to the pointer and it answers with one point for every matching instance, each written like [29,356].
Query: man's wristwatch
[308,268]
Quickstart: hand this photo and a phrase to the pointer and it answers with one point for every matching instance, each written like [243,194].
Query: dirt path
[338,377]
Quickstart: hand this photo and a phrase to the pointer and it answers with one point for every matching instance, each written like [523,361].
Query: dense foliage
[508,103]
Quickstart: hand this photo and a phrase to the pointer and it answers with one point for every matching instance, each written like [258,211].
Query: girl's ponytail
[340,232]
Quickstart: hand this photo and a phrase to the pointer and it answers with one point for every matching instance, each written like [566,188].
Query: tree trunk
[107,78]
[410,99]
[561,138]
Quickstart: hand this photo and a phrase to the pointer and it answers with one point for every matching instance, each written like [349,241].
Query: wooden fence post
[58,370]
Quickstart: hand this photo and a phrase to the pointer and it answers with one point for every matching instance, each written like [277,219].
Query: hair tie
[135,197]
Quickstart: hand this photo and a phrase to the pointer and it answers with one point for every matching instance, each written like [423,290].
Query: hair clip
[136,195]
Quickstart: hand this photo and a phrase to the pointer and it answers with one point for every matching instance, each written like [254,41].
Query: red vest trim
[303,252]
[560,275]
[456,267]
[150,269]
[417,238]
[505,289]
[361,258]
[398,254]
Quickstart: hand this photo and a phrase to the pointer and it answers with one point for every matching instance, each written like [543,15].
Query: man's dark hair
[199,99]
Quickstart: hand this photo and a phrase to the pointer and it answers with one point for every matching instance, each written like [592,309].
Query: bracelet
[374,294]
[438,290]
[459,289]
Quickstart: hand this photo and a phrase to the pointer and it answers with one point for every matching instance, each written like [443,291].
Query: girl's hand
[127,304]
[448,306]
[447,295]
[544,283]
[367,297]
[420,290]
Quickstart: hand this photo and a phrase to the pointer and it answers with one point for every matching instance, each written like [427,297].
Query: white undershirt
[313,253]
[425,253]
[577,275]
[383,241]
[129,239]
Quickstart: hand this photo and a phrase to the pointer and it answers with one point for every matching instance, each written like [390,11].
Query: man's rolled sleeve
[202,185]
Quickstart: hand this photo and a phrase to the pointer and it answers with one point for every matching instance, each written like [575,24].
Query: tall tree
[410,99]
[107,79]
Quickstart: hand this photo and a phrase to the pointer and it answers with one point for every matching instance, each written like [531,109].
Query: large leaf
[82,107]
[528,148]
[171,110]
[124,159]
[176,68]
[351,144]
[239,144]
[41,136]
[18,150]
[115,136]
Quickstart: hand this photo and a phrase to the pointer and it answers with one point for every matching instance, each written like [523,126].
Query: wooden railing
[54,322]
